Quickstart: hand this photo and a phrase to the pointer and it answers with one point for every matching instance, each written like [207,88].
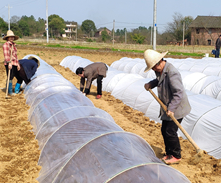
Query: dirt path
[19,150]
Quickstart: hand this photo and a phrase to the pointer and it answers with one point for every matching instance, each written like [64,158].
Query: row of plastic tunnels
[81,143]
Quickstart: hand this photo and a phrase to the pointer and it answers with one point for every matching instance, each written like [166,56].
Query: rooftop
[206,22]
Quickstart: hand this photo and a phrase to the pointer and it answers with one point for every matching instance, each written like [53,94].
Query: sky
[129,14]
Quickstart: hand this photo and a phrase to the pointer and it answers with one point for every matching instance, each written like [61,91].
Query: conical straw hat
[31,57]
[10,34]
[152,57]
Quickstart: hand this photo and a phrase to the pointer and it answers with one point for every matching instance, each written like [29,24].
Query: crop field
[19,151]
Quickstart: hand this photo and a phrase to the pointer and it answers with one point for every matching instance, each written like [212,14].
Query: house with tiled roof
[205,30]
[100,30]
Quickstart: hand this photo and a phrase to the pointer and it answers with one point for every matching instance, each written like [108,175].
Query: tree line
[30,27]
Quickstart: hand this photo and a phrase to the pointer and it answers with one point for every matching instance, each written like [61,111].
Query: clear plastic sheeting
[134,152]
[68,140]
[32,96]
[140,171]
[64,116]
[196,82]
[202,124]
[43,110]
[73,62]
[206,65]
[81,143]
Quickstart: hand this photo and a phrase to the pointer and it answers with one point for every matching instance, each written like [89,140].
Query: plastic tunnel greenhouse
[202,124]
[197,82]
[81,143]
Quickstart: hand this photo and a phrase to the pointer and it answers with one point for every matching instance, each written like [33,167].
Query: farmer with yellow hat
[172,93]
[11,59]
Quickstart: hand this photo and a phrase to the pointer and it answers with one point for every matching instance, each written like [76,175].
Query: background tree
[30,26]
[31,23]
[40,24]
[142,32]
[120,32]
[165,38]
[105,36]
[23,25]
[14,19]
[15,28]
[56,24]
[3,26]
[175,28]
[138,38]
[88,26]
[188,20]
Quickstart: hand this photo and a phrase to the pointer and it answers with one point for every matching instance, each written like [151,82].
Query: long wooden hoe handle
[177,123]
[9,70]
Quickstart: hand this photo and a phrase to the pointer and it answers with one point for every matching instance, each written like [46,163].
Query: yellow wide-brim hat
[35,58]
[152,57]
[10,34]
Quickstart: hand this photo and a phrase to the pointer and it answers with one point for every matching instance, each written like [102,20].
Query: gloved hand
[147,86]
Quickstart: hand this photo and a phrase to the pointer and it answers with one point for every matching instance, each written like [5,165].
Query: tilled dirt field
[19,150]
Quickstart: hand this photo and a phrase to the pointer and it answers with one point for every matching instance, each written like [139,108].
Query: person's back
[29,66]
[93,71]
[217,46]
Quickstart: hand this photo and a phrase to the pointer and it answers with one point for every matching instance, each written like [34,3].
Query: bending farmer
[11,59]
[93,71]
[28,67]
[172,93]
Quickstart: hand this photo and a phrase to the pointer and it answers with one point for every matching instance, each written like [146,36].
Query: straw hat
[152,57]
[35,59]
[10,34]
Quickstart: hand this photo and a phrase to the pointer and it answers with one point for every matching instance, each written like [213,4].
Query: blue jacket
[29,66]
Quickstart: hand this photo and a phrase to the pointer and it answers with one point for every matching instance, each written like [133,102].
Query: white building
[70,30]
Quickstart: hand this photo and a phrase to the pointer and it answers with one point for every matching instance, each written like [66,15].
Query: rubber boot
[17,88]
[10,92]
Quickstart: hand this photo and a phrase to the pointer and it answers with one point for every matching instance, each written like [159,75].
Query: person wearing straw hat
[11,59]
[92,71]
[28,67]
[172,93]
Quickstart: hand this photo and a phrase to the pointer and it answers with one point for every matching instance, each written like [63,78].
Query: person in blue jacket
[28,67]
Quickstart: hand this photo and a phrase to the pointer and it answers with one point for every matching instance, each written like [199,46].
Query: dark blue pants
[217,53]
[172,144]
[99,85]
[23,76]
[13,73]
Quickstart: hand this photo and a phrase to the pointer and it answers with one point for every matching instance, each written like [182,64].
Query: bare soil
[19,151]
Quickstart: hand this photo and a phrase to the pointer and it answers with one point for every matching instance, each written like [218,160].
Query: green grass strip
[186,54]
[136,51]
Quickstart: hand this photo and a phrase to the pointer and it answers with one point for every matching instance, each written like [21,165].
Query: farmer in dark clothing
[93,71]
[28,67]
[217,47]
[172,93]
